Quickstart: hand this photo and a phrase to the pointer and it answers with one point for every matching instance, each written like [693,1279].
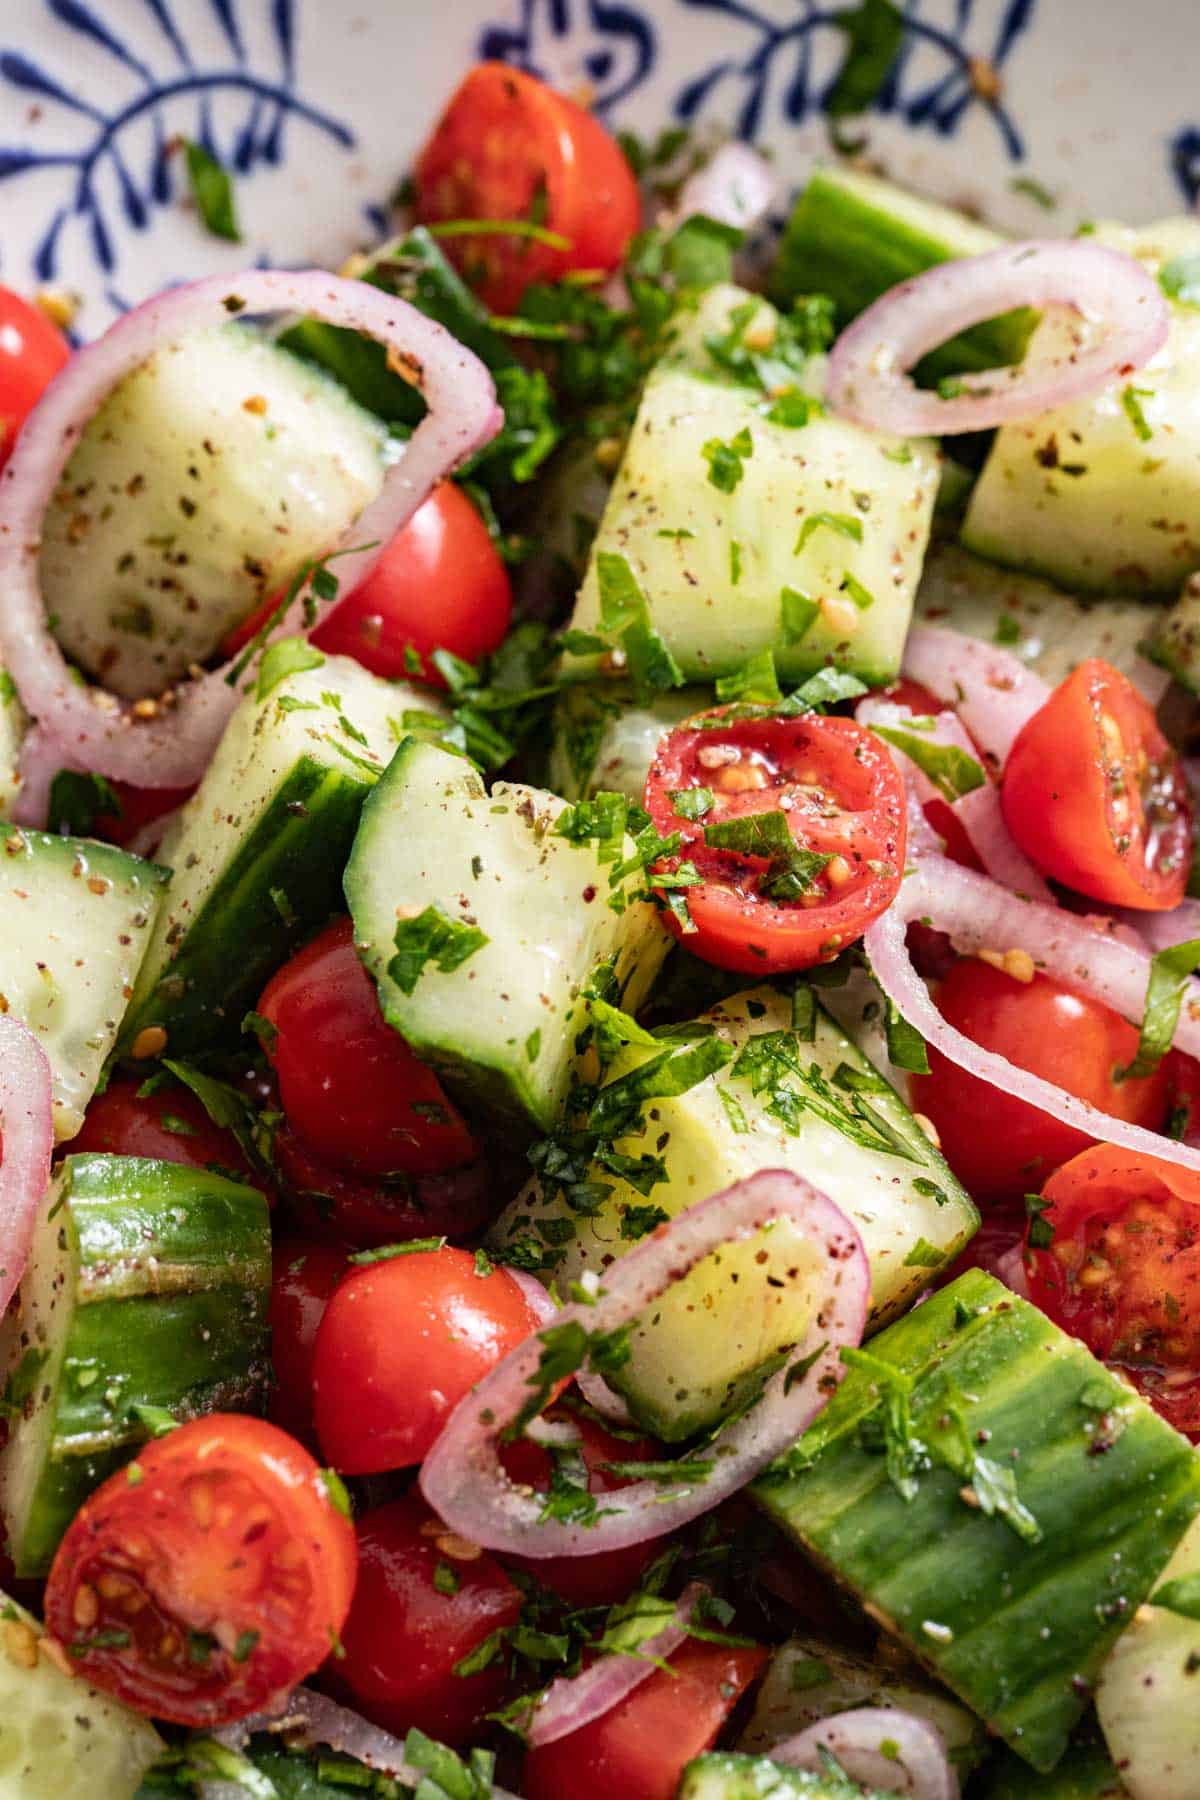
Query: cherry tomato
[348,1083]
[211,1582]
[303,1277]
[1094,794]
[32,351]
[508,147]
[1122,1270]
[640,1747]
[328,1204]
[402,1341]
[838,793]
[1001,1147]
[1182,1076]
[585,1580]
[425,1600]
[169,1125]
[139,807]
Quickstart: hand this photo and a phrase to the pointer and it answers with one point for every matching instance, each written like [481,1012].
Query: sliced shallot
[27,1137]
[462,1477]
[869,365]
[888,1750]
[990,689]
[735,187]
[88,729]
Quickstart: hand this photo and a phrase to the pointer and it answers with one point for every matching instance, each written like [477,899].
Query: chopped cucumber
[147,1287]
[603,742]
[723,1775]
[707,1341]
[510,917]
[1146,1700]
[202,484]
[80,919]
[1048,629]
[1174,641]
[1041,1500]
[853,236]
[812,551]
[808,1680]
[1085,1773]
[59,1737]
[1102,496]
[14,723]
[259,849]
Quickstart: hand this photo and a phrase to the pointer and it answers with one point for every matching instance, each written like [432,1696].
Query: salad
[599,1038]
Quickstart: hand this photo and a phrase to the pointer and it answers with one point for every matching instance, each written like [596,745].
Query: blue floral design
[621,45]
[271,99]
[1185,162]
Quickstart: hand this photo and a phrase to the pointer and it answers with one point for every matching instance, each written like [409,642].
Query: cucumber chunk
[147,1287]
[808,1680]
[1086,1772]
[835,514]
[1045,1499]
[1146,1700]
[203,483]
[724,1775]
[14,723]
[1174,641]
[704,1348]
[258,850]
[76,922]
[853,236]
[603,742]
[1102,496]
[60,1737]
[499,1025]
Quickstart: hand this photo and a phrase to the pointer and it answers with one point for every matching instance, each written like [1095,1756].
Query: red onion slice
[990,689]
[569,1705]
[868,366]
[462,1477]
[89,729]
[915,1761]
[980,915]
[27,1137]
[735,187]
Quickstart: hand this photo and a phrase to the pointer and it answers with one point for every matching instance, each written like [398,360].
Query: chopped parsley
[212,191]
[1169,973]
[793,870]
[845,524]
[431,938]
[756,681]
[288,656]
[726,461]
[1131,401]
[1179,279]
[952,770]
[798,613]
[625,622]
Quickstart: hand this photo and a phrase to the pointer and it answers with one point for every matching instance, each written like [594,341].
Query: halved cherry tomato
[209,1579]
[303,1277]
[139,807]
[838,792]
[169,1125]
[640,1747]
[508,147]
[348,1083]
[32,351]
[1094,795]
[402,1341]
[1122,1270]
[330,1205]
[585,1580]
[425,1600]
[1001,1147]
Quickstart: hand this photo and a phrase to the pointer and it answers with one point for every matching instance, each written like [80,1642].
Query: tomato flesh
[1122,1270]
[402,1341]
[640,1747]
[508,147]
[1001,1147]
[32,351]
[1094,795]
[842,798]
[348,1083]
[211,1582]
[169,1125]
[425,1600]
[303,1278]
[328,1204]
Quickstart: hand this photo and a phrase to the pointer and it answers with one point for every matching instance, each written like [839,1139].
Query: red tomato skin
[1122,1271]
[737,927]
[1072,794]
[32,351]
[403,1638]
[585,1580]
[348,1083]
[504,143]
[401,1343]
[120,1122]
[1001,1147]
[329,1205]
[439,585]
[139,807]
[303,1278]
[639,1749]
[228,1529]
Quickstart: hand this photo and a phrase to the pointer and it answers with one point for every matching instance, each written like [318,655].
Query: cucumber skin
[239,938]
[724,1775]
[936,1559]
[1175,638]
[1085,1773]
[173,1270]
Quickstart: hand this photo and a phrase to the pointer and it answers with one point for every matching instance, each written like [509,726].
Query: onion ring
[27,1135]
[916,1752]
[990,689]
